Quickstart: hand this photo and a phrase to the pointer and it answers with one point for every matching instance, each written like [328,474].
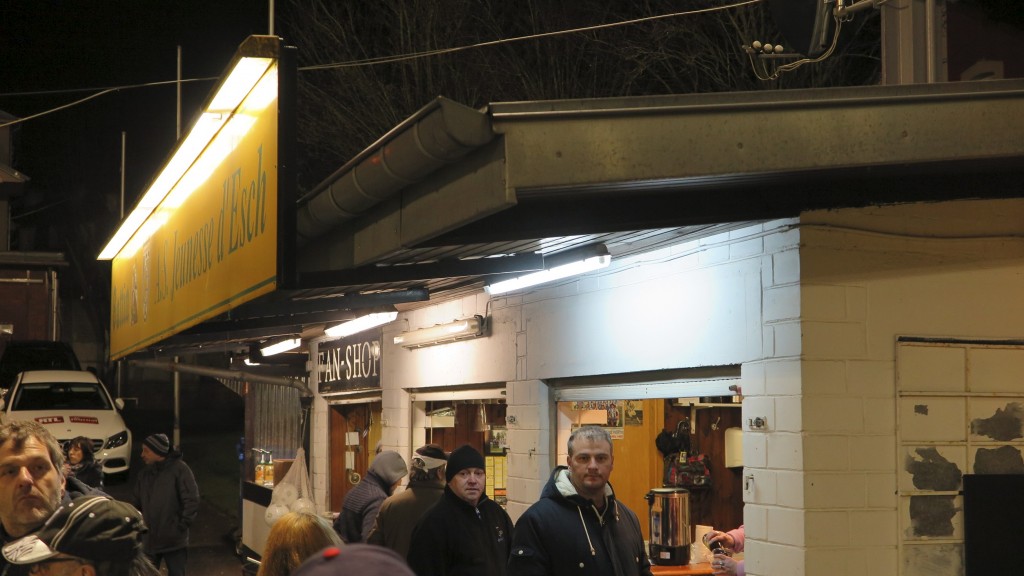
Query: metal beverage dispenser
[670,526]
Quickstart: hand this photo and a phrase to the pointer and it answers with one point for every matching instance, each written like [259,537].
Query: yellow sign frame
[211,243]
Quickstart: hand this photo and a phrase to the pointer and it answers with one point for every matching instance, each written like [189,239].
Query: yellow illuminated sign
[211,244]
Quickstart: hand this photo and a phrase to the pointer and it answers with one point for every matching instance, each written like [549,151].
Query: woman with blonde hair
[293,538]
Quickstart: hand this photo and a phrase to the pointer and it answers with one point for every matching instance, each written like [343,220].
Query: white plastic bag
[294,492]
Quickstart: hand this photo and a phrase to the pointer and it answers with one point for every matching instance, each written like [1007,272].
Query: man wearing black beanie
[465,532]
[168,497]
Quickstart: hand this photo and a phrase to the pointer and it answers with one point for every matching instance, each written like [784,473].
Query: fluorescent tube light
[550,275]
[281,346]
[359,324]
[464,329]
[244,76]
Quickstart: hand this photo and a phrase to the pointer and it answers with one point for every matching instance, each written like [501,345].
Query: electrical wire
[440,51]
[380,59]
[794,65]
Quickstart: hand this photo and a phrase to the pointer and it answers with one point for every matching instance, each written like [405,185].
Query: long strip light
[466,328]
[549,275]
[243,77]
[281,346]
[359,324]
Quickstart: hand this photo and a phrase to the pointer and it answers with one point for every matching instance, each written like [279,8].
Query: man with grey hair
[32,482]
[399,513]
[578,526]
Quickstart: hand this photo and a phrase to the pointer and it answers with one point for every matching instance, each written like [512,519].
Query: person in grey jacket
[359,510]
[168,497]
[577,526]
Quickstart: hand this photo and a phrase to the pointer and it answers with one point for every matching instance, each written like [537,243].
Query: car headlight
[119,439]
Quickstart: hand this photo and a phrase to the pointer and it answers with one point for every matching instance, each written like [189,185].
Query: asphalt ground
[212,538]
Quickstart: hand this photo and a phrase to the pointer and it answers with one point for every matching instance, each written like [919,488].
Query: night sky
[48,45]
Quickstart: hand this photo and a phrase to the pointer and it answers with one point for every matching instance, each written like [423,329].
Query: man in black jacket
[32,484]
[465,533]
[577,526]
[167,494]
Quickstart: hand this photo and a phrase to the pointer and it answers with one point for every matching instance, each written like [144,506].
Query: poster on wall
[614,411]
[634,413]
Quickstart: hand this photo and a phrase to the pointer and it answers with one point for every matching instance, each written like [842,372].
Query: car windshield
[60,395]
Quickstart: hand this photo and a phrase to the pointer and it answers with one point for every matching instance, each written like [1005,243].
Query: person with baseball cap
[167,494]
[465,532]
[400,512]
[88,536]
[34,485]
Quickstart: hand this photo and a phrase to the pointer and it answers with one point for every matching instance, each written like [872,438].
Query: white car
[72,403]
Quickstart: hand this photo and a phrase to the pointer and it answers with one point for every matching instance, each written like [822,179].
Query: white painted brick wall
[786,525]
[831,340]
[788,414]
[828,453]
[823,303]
[827,528]
[790,488]
[835,490]
[833,414]
[763,483]
[782,303]
[870,378]
[785,451]
[785,268]
[872,453]
[882,490]
[782,377]
[529,436]
[873,528]
[823,377]
[787,339]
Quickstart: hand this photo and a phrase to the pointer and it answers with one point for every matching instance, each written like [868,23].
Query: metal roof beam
[428,271]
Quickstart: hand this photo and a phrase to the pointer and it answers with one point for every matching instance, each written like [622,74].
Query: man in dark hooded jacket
[359,510]
[577,526]
[168,497]
[36,489]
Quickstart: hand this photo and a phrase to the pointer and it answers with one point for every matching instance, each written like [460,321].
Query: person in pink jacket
[723,563]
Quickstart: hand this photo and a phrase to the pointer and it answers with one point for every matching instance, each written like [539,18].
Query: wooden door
[637,461]
[350,422]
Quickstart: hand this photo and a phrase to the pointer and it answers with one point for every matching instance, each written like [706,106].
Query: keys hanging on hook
[714,425]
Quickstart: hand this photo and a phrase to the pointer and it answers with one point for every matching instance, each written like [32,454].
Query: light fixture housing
[556,267]
[472,327]
[365,322]
[280,346]
[248,70]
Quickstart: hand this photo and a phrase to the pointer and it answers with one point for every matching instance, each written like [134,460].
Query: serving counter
[684,570]
[255,500]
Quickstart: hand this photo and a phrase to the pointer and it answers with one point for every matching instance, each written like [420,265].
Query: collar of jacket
[565,488]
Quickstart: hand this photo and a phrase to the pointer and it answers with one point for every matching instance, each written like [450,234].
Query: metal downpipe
[225,374]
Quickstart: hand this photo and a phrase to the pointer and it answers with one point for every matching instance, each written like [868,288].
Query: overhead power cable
[376,60]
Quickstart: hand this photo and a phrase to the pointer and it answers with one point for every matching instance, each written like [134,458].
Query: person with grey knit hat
[359,510]
[400,512]
[465,532]
[168,497]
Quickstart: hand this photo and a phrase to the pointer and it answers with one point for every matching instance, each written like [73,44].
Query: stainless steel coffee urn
[670,526]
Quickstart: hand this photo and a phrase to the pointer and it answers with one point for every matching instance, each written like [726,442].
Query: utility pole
[913,41]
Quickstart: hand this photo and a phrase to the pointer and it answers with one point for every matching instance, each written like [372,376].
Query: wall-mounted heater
[464,329]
